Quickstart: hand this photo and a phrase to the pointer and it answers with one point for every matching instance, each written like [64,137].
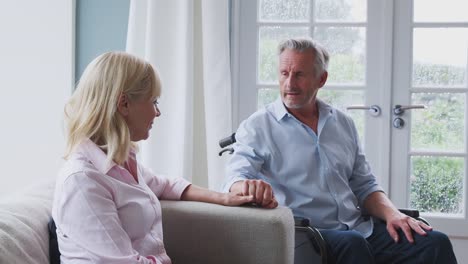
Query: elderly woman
[106,205]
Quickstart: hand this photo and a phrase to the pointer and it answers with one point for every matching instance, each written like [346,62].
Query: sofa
[194,232]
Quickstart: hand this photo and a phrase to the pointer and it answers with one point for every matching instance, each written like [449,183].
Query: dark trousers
[351,247]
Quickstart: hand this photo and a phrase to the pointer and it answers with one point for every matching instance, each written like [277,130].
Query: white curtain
[188,42]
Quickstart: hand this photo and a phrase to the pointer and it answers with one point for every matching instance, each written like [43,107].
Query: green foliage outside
[346,68]
[441,125]
[430,74]
[280,10]
[268,67]
[266,96]
[437,184]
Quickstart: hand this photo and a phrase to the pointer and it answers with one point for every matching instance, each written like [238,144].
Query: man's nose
[291,80]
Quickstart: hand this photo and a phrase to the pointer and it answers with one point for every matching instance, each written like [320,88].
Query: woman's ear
[122,104]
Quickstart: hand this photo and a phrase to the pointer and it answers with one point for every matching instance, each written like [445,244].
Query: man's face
[298,80]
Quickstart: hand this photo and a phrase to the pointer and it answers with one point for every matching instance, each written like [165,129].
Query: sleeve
[362,180]
[247,160]
[87,216]
[163,187]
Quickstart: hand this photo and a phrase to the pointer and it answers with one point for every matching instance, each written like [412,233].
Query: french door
[429,146]
[399,68]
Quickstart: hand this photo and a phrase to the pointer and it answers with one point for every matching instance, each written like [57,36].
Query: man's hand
[406,224]
[378,205]
[260,190]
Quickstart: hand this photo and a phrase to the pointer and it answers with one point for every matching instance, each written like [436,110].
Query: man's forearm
[378,205]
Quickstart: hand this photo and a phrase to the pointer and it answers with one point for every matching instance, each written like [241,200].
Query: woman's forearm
[199,194]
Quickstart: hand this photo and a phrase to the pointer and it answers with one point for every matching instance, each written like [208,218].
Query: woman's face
[140,116]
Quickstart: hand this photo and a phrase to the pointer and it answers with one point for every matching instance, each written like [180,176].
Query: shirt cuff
[175,190]
[229,183]
[369,192]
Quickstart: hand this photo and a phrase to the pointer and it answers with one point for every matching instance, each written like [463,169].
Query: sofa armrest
[24,237]
[206,233]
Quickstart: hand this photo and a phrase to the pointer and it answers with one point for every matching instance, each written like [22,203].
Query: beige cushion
[24,238]
[212,234]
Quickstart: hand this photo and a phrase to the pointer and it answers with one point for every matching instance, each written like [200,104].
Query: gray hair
[302,44]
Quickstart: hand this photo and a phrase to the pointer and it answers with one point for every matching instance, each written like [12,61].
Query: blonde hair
[92,112]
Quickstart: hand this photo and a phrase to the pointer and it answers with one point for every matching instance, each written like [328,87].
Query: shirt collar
[325,109]
[95,155]
[280,111]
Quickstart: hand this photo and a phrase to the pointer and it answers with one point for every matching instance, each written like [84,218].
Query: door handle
[374,110]
[400,109]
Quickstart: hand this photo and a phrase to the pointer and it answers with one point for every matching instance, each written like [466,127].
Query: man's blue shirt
[324,177]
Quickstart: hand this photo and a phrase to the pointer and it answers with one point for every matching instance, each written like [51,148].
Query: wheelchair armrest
[301,221]
[410,212]
[415,214]
[303,225]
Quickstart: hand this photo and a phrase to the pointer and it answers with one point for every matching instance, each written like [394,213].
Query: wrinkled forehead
[296,60]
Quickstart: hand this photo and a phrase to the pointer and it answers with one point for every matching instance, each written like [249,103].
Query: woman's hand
[231,199]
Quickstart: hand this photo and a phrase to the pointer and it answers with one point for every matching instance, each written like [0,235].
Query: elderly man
[303,153]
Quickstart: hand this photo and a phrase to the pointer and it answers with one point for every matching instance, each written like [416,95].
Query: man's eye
[155,102]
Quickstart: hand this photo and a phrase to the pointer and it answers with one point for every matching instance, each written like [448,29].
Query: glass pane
[437,184]
[268,49]
[440,127]
[347,53]
[288,11]
[266,96]
[339,10]
[440,11]
[343,99]
[440,56]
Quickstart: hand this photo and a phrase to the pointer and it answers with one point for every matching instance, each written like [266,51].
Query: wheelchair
[310,246]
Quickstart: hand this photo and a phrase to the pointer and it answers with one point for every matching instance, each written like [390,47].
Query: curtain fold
[188,43]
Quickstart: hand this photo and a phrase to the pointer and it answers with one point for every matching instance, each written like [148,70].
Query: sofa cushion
[206,233]
[24,236]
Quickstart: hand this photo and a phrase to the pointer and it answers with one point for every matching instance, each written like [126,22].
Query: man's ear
[122,104]
[323,79]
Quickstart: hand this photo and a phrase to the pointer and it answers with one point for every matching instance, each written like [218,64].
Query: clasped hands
[260,191]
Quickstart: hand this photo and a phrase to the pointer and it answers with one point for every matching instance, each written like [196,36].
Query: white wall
[36,77]
[459,246]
